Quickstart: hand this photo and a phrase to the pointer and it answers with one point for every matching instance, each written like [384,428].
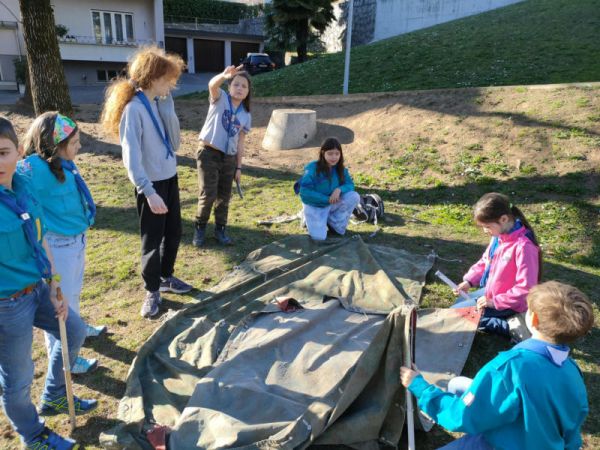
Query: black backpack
[369,209]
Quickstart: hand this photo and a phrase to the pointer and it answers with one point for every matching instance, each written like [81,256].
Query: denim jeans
[336,215]
[69,262]
[17,319]
[492,320]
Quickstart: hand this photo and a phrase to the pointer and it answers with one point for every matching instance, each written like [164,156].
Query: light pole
[348,45]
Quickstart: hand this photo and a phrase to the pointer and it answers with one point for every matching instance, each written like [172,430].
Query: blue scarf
[19,207]
[233,114]
[493,248]
[164,137]
[556,353]
[82,187]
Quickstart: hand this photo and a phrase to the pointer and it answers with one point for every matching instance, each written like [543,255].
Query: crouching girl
[327,192]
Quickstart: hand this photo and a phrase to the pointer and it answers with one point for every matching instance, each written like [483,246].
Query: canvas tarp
[234,371]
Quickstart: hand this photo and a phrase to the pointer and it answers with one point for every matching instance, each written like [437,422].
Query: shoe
[61,406]
[49,440]
[331,231]
[175,285]
[221,237]
[150,305]
[83,365]
[92,331]
[199,235]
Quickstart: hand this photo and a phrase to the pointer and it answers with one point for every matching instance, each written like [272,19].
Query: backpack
[369,209]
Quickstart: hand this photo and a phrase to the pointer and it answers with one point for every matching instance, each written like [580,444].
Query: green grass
[534,42]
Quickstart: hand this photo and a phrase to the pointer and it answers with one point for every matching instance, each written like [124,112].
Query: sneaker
[92,331]
[82,365]
[61,406]
[49,440]
[175,285]
[150,305]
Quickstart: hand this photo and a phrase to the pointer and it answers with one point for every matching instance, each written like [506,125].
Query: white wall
[77,17]
[396,17]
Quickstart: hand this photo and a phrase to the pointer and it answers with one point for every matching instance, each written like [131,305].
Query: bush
[20,69]
[210,9]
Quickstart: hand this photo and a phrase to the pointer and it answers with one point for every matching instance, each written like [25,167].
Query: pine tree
[293,22]
[46,74]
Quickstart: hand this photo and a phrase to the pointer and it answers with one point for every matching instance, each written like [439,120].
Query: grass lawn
[533,42]
[430,155]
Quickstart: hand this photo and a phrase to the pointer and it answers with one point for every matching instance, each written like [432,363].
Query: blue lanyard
[233,114]
[82,187]
[493,248]
[17,206]
[164,137]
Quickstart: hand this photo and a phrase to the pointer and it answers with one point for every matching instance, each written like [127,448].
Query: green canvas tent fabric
[234,371]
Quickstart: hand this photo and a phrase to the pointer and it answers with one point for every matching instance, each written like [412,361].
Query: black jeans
[161,233]
[216,171]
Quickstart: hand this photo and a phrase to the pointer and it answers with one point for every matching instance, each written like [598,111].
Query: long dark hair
[40,139]
[246,101]
[331,143]
[493,205]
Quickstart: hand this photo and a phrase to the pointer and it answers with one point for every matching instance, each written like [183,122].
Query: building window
[106,75]
[112,27]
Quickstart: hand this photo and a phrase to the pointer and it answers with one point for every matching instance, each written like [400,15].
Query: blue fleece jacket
[520,400]
[315,189]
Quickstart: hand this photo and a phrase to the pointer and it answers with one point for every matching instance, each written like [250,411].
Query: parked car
[257,63]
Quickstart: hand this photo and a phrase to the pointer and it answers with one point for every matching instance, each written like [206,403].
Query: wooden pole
[66,363]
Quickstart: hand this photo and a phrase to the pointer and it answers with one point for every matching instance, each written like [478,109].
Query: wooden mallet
[66,363]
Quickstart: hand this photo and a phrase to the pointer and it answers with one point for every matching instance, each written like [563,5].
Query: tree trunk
[46,74]
[302,40]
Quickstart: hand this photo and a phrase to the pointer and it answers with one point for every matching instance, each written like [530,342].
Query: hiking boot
[82,365]
[92,331]
[221,237]
[61,406]
[175,285]
[49,440]
[199,235]
[150,305]
[332,232]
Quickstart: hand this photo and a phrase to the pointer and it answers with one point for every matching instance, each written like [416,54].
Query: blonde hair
[147,65]
[565,313]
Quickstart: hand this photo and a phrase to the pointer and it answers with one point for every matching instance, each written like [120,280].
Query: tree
[293,22]
[46,74]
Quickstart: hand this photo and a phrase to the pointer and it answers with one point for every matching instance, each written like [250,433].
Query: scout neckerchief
[165,136]
[493,248]
[82,187]
[17,205]
[233,114]
[556,353]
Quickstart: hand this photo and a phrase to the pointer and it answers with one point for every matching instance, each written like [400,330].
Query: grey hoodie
[144,153]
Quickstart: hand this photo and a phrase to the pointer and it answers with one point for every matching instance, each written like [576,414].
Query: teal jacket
[316,189]
[520,400]
[17,260]
[64,208]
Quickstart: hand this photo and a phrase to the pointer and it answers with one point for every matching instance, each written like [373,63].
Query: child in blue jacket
[528,398]
[327,192]
[28,298]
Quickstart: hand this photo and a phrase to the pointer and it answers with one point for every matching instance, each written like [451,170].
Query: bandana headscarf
[63,128]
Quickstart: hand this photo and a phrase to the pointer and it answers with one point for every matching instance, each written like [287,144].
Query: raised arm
[214,85]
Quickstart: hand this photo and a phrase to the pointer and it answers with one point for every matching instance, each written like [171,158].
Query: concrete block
[290,128]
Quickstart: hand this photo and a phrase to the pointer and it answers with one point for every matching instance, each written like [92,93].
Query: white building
[101,35]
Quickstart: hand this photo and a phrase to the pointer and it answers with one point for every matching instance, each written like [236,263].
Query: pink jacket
[514,271]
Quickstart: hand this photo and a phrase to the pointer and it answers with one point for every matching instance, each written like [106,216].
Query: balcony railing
[93,40]
[8,25]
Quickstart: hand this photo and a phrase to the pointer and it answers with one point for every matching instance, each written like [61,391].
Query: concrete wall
[11,43]
[380,19]
[396,17]
[82,73]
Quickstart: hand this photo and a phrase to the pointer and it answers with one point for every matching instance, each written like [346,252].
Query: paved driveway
[188,83]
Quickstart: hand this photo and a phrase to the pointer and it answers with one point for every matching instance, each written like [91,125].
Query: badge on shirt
[468,398]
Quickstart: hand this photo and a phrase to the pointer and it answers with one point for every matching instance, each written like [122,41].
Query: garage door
[209,55]
[176,45]
[240,49]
